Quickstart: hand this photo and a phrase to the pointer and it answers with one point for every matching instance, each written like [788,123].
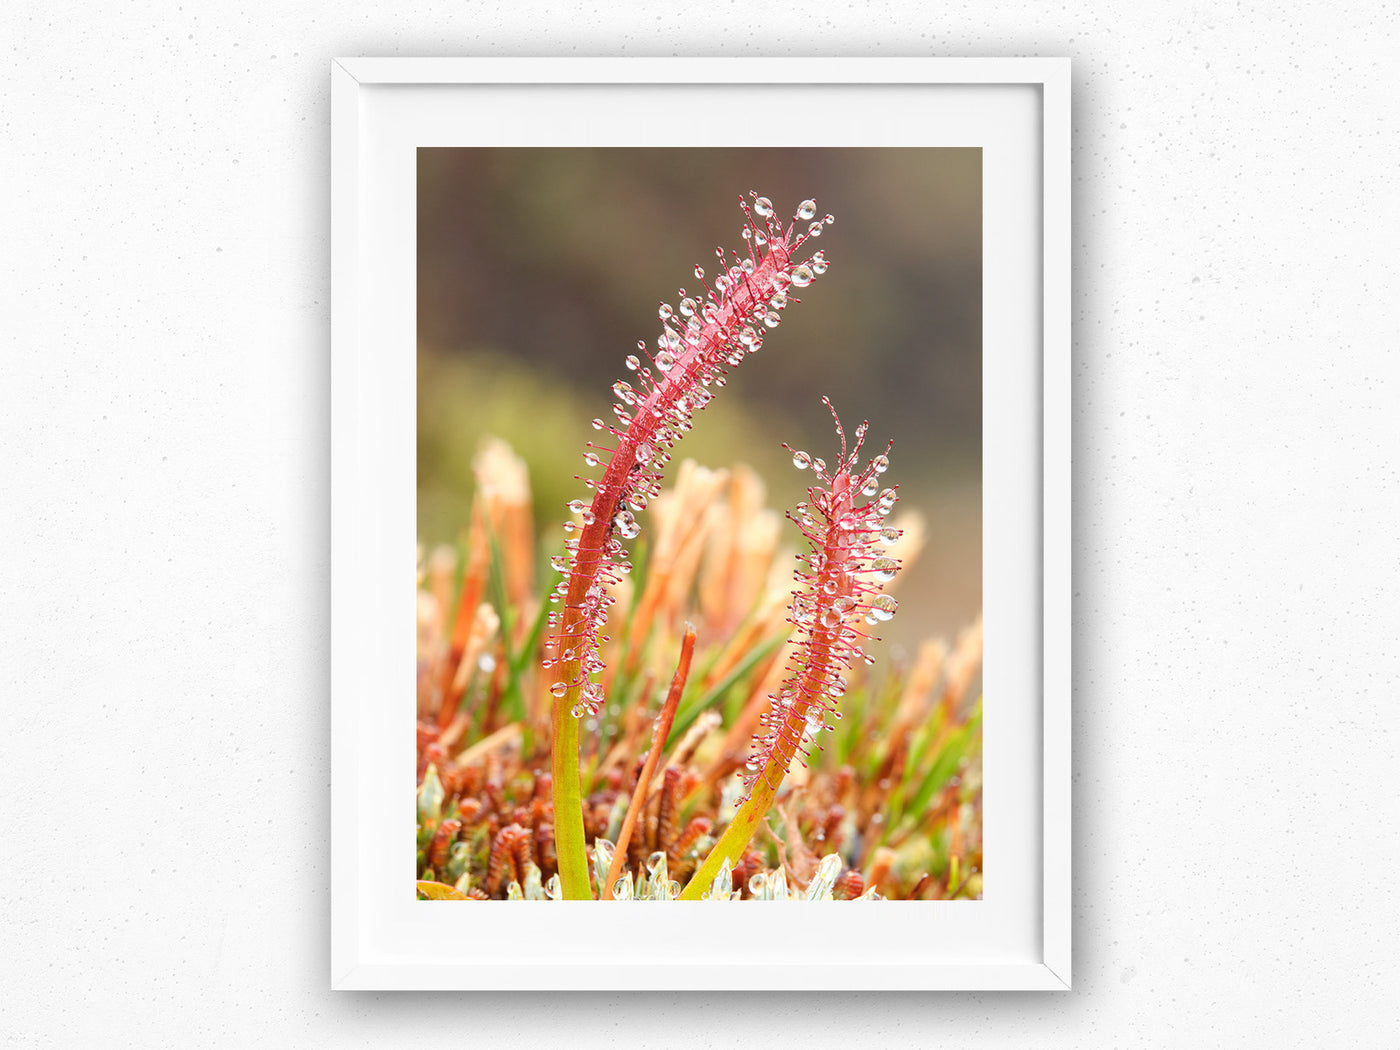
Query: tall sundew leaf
[702,337]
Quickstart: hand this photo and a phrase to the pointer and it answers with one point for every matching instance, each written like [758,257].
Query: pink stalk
[700,339]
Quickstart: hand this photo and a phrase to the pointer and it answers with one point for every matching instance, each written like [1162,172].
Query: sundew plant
[678,718]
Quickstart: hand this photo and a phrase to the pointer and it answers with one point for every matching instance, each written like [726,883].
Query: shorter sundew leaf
[840,596]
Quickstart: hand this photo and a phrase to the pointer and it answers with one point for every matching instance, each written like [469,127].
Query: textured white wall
[163,572]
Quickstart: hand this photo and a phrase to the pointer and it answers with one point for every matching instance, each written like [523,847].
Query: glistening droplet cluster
[702,337]
[839,597]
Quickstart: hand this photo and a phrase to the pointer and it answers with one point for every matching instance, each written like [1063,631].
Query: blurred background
[539,269]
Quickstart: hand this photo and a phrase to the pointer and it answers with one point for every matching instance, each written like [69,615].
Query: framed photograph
[621,522]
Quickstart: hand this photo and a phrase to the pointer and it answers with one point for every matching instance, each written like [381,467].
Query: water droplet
[577,505]
[665,312]
[699,272]
[868,489]
[722,284]
[830,618]
[633,362]
[772,318]
[889,535]
[763,206]
[665,360]
[819,465]
[598,424]
[626,525]
[687,306]
[645,453]
[814,230]
[747,337]
[591,458]
[578,711]
[829,587]
[818,262]
[883,607]
[806,209]
[779,300]
[559,563]
[587,516]
[558,689]
[881,464]
[747,266]
[802,275]
[885,569]
[800,460]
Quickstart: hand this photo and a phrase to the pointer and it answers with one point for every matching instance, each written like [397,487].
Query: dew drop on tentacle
[801,460]
[763,207]
[882,608]
[802,275]
[633,362]
[806,210]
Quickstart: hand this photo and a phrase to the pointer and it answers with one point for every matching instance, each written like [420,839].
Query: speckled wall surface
[163,568]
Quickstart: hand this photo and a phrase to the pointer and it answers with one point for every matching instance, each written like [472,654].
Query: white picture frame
[1018,936]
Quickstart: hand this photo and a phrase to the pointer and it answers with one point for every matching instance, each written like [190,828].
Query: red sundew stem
[625,474]
[659,732]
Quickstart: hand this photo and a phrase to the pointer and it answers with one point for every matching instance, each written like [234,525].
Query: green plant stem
[740,832]
[568,806]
